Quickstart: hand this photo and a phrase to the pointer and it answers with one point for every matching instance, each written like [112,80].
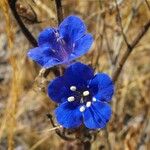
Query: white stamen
[88,104]
[86,93]
[94,99]
[71,99]
[73,88]
[82,108]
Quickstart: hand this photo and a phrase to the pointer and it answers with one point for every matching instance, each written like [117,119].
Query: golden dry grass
[23,102]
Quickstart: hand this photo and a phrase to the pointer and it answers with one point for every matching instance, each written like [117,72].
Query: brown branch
[130,18]
[130,48]
[26,32]
[59,11]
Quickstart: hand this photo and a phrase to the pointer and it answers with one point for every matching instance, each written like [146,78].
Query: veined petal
[72,28]
[52,62]
[102,87]
[51,37]
[46,36]
[57,90]
[82,46]
[97,115]
[68,115]
[43,56]
[78,74]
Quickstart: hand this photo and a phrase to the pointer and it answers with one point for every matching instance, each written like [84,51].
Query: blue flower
[82,97]
[63,44]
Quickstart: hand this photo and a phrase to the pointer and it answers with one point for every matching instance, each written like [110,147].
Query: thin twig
[64,137]
[148,5]
[58,132]
[120,24]
[145,123]
[125,56]
[59,11]
[107,139]
[26,32]
[96,63]
[126,27]
[100,4]
[103,35]
[109,49]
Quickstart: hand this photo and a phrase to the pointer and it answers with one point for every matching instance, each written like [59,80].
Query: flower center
[60,49]
[83,98]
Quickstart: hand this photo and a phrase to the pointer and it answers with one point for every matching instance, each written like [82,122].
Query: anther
[71,99]
[88,104]
[73,88]
[94,99]
[86,93]
[82,108]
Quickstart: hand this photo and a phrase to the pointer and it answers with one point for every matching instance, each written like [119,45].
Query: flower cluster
[82,97]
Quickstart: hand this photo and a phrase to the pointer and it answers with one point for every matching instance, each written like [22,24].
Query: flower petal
[102,87]
[57,90]
[50,37]
[52,62]
[43,56]
[97,115]
[72,28]
[82,46]
[46,36]
[78,74]
[68,115]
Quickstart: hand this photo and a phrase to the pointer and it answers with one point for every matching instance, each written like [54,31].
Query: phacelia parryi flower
[63,44]
[82,97]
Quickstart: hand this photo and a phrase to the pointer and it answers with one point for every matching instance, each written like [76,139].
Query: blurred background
[23,99]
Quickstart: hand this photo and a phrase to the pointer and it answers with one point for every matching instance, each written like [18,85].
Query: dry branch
[130,48]
[26,32]
[59,11]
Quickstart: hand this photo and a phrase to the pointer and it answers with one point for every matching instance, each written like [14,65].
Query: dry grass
[23,102]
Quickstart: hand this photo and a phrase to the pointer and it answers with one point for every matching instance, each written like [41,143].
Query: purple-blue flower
[82,97]
[63,44]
